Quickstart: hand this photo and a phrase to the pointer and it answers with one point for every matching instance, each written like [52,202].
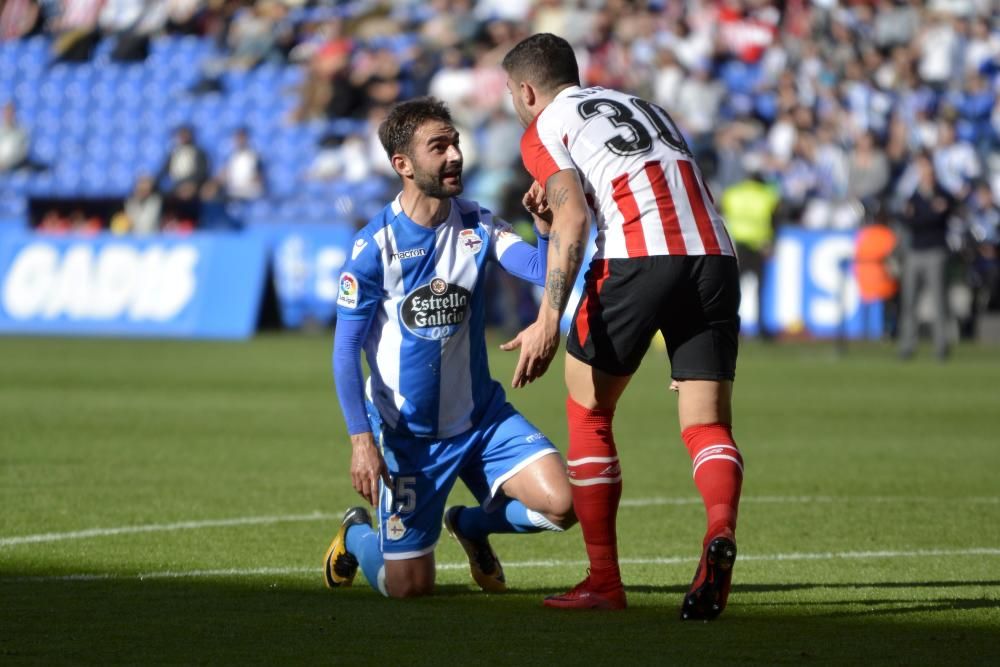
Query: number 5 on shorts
[403,498]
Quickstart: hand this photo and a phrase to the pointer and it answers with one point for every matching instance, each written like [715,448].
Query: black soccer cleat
[339,565]
[709,591]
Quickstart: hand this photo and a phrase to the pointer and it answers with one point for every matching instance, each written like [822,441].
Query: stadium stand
[792,88]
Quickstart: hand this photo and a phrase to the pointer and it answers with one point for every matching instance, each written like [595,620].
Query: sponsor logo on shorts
[407,254]
[394,528]
[535,437]
[469,242]
[349,291]
[436,310]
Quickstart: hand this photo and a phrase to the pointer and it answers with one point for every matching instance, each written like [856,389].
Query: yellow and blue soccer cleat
[339,565]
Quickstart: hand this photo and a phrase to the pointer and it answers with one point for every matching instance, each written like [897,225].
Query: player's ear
[527,93]
[401,163]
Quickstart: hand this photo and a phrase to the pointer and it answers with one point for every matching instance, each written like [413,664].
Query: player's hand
[367,467]
[537,205]
[538,344]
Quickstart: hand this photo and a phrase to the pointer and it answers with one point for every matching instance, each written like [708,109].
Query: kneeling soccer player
[413,297]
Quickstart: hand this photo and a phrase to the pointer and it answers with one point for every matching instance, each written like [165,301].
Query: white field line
[810,500]
[162,527]
[528,564]
[320,516]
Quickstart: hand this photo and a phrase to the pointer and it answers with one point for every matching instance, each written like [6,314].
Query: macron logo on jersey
[359,245]
[407,254]
[349,291]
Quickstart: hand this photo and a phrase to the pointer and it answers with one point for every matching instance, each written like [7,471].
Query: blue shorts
[424,471]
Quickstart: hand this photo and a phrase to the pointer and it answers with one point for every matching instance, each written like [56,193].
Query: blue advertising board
[211,284]
[810,288]
[306,260]
[200,286]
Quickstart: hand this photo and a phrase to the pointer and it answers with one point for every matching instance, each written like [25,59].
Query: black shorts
[693,300]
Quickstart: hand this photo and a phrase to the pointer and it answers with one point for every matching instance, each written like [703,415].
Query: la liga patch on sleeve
[350,292]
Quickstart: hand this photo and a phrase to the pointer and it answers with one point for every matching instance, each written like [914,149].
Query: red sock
[597,487]
[718,474]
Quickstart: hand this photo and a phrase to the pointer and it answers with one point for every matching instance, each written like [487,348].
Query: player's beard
[433,184]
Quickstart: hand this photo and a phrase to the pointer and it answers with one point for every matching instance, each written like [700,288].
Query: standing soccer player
[664,262]
[412,295]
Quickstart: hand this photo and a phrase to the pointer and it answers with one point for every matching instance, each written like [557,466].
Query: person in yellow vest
[748,207]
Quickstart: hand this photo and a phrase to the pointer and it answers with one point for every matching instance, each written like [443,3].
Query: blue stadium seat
[41,184]
[102,52]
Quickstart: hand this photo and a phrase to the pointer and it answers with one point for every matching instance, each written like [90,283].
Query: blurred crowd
[818,114]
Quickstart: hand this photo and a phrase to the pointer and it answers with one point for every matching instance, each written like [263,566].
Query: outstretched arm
[570,228]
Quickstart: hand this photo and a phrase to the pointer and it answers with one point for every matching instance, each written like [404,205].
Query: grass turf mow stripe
[320,516]
[665,560]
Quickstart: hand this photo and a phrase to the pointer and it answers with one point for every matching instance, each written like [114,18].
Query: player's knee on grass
[409,589]
[409,578]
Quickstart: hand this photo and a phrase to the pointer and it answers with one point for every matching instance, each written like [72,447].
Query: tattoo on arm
[554,240]
[557,288]
[558,197]
[575,253]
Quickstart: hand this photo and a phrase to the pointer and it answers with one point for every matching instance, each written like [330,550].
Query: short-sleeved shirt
[646,192]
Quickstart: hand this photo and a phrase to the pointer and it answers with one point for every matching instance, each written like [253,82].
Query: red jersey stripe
[635,239]
[535,155]
[668,212]
[591,303]
[701,217]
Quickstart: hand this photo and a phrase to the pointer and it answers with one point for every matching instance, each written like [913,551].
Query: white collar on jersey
[397,207]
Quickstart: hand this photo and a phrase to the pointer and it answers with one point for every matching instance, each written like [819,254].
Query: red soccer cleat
[582,596]
[709,591]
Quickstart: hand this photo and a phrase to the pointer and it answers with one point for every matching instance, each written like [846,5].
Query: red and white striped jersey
[641,183]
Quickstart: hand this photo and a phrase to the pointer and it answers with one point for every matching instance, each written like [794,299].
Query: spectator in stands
[186,166]
[141,216]
[328,90]
[925,221]
[252,34]
[19,18]
[76,27]
[955,162]
[867,172]
[939,47]
[183,173]
[242,175]
[183,16]
[984,230]
[131,23]
[341,158]
[14,140]
[697,109]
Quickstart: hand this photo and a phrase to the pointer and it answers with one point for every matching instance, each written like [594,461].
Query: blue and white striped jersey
[423,291]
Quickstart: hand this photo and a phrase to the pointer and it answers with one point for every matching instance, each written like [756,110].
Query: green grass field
[171,502]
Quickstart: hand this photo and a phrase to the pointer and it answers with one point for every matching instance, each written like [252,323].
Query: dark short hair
[397,130]
[544,60]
